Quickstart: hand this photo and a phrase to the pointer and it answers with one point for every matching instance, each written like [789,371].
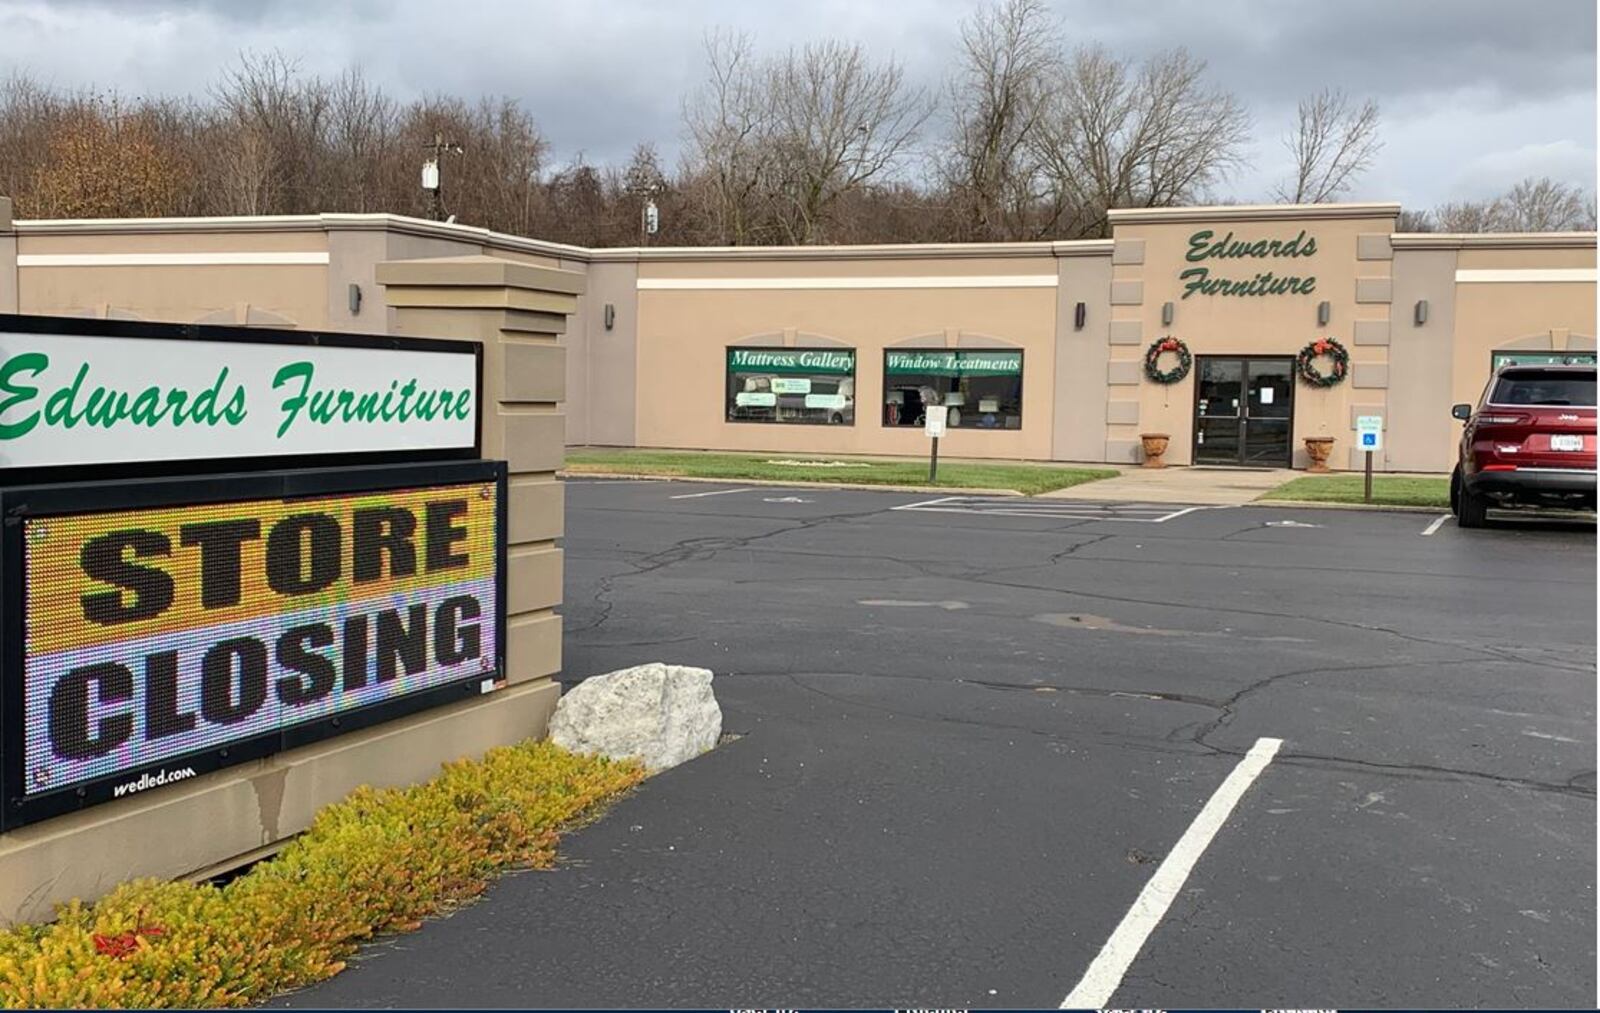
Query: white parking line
[718,492]
[1105,974]
[1154,513]
[1431,528]
[926,503]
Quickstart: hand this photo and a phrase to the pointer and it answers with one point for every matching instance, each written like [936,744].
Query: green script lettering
[401,402]
[27,362]
[292,404]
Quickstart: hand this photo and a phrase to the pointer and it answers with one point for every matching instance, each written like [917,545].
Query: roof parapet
[1250,212]
[1493,240]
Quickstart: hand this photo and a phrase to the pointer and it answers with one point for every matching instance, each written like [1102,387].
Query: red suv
[1531,442]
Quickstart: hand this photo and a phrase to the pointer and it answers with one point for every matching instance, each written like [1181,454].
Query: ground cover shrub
[379,861]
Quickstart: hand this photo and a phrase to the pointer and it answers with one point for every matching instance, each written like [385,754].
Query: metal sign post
[1369,437]
[933,421]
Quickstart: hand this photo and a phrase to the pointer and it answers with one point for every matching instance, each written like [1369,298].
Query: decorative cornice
[874,251]
[399,224]
[403,225]
[424,228]
[1493,240]
[1249,212]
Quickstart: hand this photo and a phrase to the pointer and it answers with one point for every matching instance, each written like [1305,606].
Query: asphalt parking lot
[973,731]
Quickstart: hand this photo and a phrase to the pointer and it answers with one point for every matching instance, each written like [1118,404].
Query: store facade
[1262,326]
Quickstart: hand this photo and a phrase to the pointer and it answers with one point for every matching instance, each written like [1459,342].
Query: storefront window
[1499,359]
[809,386]
[981,387]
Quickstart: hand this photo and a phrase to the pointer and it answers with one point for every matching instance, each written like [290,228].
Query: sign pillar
[933,422]
[524,369]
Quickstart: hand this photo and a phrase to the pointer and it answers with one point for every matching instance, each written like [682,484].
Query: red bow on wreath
[1321,347]
[1169,345]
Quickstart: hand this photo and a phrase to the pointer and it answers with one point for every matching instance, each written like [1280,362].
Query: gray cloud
[1475,94]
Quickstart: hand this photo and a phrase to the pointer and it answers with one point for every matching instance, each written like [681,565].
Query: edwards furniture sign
[220,543]
[1205,246]
[91,395]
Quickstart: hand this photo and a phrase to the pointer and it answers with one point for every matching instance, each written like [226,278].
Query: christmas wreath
[1306,363]
[1152,360]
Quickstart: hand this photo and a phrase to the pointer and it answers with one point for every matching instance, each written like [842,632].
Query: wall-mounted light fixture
[1080,313]
[611,316]
[1324,311]
[1420,315]
[1166,314]
[355,298]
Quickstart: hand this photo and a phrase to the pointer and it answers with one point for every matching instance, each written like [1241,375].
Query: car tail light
[1498,467]
[1503,420]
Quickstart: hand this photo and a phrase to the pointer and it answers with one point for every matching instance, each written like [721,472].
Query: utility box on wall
[242,572]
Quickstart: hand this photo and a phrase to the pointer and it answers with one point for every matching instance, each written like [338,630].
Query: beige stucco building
[1037,348]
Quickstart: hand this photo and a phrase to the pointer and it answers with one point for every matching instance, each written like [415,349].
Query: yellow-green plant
[381,860]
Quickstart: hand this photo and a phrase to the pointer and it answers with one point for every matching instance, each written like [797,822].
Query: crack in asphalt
[703,547]
[709,547]
[1399,771]
[1198,733]
[981,577]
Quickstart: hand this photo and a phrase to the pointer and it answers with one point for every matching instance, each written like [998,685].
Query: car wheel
[1472,509]
[1455,490]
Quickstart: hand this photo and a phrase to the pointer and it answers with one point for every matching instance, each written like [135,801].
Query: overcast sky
[1475,94]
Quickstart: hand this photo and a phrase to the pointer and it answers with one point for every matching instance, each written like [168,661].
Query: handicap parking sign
[1369,432]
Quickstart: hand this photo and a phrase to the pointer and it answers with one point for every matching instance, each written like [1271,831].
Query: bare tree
[361,126]
[776,143]
[1415,220]
[1010,54]
[1533,205]
[1334,142]
[275,124]
[1543,205]
[839,121]
[726,123]
[1155,135]
[1468,216]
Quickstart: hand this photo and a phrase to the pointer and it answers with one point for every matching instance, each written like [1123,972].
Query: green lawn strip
[1387,490]
[1028,479]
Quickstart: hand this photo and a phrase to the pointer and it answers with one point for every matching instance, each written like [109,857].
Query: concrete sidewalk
[1208,486]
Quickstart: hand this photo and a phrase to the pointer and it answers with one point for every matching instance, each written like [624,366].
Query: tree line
[1028,139]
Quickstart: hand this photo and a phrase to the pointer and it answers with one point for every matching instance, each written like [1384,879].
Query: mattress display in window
[809,386]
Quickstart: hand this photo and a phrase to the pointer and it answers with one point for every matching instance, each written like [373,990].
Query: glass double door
[1244,411]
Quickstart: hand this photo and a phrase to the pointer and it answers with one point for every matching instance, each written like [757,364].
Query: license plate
[1566,443]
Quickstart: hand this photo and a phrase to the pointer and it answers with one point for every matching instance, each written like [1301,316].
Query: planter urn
[1318,448]
[1155,446]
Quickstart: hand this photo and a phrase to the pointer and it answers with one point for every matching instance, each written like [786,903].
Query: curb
[1393,508]
[798,484]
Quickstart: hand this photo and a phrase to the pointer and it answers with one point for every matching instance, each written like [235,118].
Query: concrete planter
[1318,448]
[1155,446]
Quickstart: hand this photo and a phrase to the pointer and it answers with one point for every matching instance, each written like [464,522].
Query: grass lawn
[1389,490]
[1024,478]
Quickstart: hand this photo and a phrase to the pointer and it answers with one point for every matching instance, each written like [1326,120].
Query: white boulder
[660,714]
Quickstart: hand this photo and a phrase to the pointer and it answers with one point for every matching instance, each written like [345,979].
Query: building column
[519,312]
[10,297]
